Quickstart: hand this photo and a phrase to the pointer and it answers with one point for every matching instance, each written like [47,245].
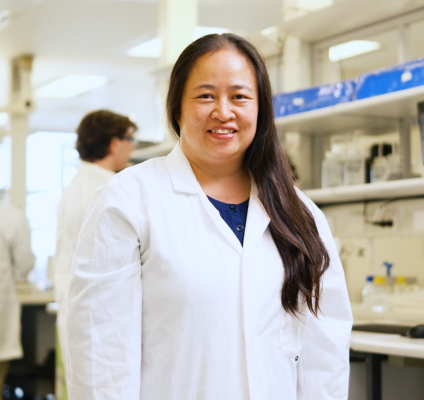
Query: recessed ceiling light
[70,86]
[153,47]
[352,49]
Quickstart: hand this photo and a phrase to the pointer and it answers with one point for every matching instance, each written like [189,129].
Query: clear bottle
[353,167]
[367,292]
[380,168]
[332,173]
[394,164]
[400,286]
[389,285]
[380,299]
[411,284]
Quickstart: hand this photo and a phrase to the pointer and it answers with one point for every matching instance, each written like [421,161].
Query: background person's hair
[96,130]
[292,226]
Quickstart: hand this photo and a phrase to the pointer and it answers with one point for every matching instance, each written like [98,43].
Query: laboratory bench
[375,347]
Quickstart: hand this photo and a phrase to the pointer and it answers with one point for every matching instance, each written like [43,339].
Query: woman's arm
[323,370]
[105,301]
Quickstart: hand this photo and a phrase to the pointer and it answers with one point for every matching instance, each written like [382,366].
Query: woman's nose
[223,111]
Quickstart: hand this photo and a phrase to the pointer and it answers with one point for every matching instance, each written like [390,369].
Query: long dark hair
[292,226]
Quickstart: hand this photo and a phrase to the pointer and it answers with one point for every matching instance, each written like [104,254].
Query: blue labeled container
[313,98]
[390,79]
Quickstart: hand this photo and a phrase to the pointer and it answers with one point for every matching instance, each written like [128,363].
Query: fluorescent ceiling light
[70,86]
[313,5]
[150,49]
[153,47]
[352,49]
[4,118]
[269,31]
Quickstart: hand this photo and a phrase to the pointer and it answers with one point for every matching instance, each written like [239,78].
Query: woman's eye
[239,97]
[205,96]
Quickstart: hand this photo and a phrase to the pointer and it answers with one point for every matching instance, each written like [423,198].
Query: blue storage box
[390,79]
[313,98]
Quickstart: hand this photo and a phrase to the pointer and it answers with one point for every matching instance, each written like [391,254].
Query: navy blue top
[234,215]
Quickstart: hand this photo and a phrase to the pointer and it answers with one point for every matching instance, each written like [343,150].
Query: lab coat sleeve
[323,370]
[105,301]
[21,254]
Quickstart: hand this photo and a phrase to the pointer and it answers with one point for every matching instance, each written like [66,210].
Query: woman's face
[219,108]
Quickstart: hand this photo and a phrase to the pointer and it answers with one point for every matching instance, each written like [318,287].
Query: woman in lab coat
[175,293]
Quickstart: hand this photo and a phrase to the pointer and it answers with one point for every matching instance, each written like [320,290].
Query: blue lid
[370,278]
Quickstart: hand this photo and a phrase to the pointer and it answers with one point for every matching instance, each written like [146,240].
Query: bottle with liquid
[332,173]
[393,161]
[400,286]
[411,284]
[380,168]
[353,167]
[367,292]
[380,299]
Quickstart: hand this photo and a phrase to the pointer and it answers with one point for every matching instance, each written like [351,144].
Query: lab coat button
[239,228]
[297,357]
[233,207]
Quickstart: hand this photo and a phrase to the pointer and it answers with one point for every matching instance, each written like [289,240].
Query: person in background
[16,260]
[104,143]
[206,274]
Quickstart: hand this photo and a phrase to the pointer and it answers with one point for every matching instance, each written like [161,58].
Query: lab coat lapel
[257,222]
[184,181]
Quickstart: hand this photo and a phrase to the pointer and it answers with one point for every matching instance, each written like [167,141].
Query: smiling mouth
[222,131]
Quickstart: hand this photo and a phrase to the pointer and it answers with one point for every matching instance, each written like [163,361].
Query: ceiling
[90,37]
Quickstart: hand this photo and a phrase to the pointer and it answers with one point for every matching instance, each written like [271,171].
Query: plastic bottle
[380,300]
[380,168]
[394,164]
[332,173]
[367,292]
[411,284]
[353,167]
[400,286]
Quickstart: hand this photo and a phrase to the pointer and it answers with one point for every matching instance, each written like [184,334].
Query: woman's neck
[228,183]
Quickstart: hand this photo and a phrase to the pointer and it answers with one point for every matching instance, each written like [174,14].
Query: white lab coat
[165,304]
[70,213]
[16,260]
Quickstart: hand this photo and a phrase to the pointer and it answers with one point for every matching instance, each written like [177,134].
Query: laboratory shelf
[374,115]
[369,191]
[332,21]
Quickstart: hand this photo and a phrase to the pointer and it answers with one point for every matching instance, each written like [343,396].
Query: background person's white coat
[70,214]
[16,260]
[166,304]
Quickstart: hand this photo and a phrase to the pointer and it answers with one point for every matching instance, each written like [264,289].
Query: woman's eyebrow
[210,86]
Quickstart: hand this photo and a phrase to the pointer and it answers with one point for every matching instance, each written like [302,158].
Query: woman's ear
[177,116]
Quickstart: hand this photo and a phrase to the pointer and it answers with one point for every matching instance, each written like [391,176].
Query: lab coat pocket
[292,331]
